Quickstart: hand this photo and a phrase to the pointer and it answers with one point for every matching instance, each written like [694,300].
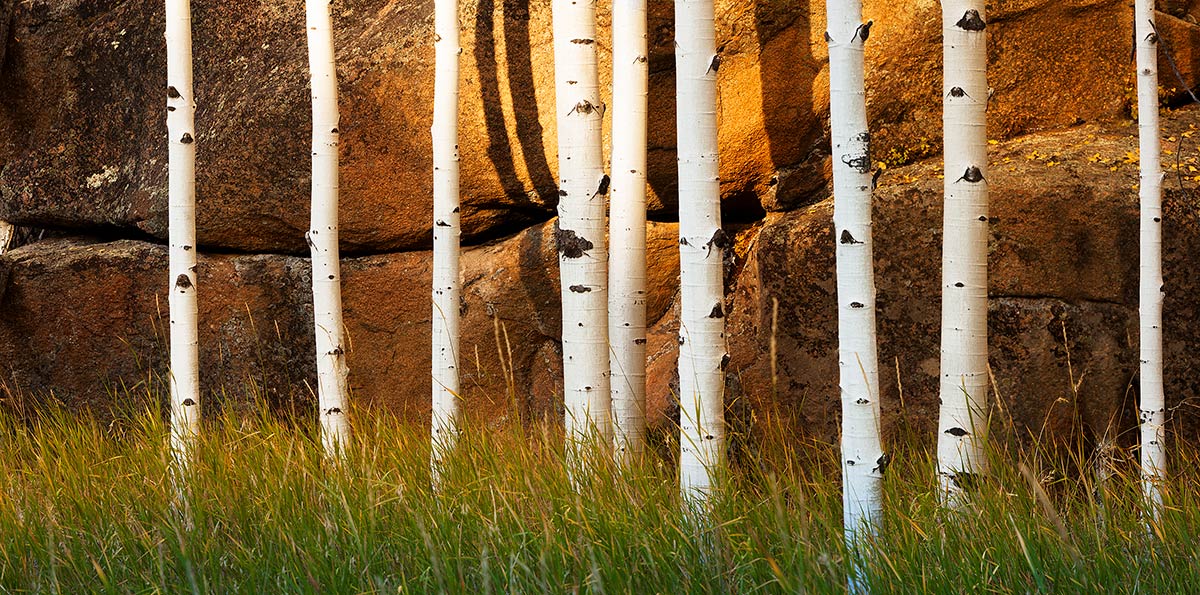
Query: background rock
[82,133]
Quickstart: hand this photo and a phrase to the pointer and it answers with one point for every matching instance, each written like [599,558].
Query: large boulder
[80,320]
[85,323]
[82,136]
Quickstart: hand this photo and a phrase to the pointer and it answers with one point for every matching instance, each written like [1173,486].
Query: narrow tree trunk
[582,245]
[1150,295]
[702,244]
[963,422]
[323,233]
[7,232]
[627,267]
[447,286]
[181,213]
[863,460]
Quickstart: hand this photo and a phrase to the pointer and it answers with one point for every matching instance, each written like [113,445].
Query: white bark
[447,285]
[863,460]
[7,231]
[963,419]
[1150,294]
[627,266]
[181,214]
[323,232]
[582,245]
[702,243]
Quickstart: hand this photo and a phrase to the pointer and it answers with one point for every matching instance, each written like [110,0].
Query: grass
[87,506]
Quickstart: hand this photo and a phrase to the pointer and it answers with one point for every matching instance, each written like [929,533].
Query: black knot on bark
[882,463]
[848,238]
[959,284]
[604,182]
[973,175]
[571,245]
[182,281]
[957,432]
[172,92]
[717,312]
[864,30]
[971,21]
[828,37]
[724,362]
[719,240]
[680,339]
[562,192]
[859,163]
[188,403]
[583,41]
[583,107]
[639,341]
[187,139]
[715,65]
[580,288]
[333,410]
[957,92]
[857,305]
[441,223]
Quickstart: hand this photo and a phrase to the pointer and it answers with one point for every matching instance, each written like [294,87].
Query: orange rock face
[81,131]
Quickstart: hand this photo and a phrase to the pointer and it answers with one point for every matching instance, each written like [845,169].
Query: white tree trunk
[447,285]
[582,245]
[181,214]
[323,232]
[702,243]
[627,267]
[7,231]
[1150,294]
[863,460]
[963,419]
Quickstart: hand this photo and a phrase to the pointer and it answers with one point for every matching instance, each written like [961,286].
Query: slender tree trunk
[702,243]
[7,232]
[582,245]
[447,285]
[963,423]
[863,460]
[323,233]
[1150,295]
[627,267]
[181,212]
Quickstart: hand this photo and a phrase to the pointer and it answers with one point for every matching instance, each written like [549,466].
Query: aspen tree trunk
[323,232]
[863,460]
[963,422]
[447,286]
[702,244]
[582,245]
[181,213]
[7,231]
[1150,294]
[627,267]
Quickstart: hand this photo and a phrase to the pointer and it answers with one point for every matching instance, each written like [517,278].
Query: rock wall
[82,155]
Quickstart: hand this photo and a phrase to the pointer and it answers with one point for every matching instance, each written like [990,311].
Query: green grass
[87,506]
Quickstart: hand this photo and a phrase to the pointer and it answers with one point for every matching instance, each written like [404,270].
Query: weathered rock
[83,321]
[1063,286]
[82,134]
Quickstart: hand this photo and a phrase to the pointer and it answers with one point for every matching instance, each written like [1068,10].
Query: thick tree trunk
[964,365]
[863,460]
[447,285]
[582,245]
[1150,295]
[181,213]
[627,267]
[323,232]
[702,243]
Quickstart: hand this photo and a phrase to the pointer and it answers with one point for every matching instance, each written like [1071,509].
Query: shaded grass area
[87,506]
